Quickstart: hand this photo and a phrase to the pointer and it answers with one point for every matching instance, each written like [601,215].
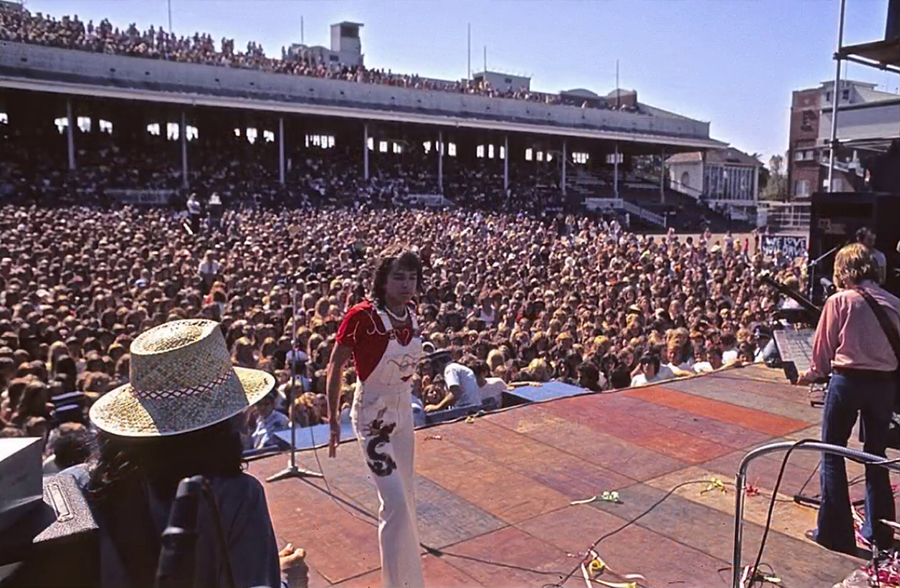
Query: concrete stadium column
[440,154]
[184,158]
[755,185]
[70,134]
[365,151]
[505,164]
[565,157]
[281,150]
[662,175]
[616,172]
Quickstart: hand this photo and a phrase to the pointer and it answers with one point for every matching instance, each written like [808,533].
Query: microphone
[178,554]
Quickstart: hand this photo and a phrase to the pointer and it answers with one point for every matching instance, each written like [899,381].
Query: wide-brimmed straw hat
[181,380]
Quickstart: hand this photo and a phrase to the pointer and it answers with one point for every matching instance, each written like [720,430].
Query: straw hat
[181,380]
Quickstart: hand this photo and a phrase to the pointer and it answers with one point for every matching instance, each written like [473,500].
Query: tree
[763,173]
[776,183]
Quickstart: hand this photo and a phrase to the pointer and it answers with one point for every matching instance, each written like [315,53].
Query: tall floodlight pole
[836,97]
[618,92]
[469,56]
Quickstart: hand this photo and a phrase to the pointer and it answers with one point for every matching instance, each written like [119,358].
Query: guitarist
[856,342]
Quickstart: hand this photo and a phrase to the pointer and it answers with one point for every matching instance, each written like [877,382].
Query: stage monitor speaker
[65,549]
[884,169]
[834,219]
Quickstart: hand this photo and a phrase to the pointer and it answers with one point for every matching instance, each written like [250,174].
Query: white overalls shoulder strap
[387,324]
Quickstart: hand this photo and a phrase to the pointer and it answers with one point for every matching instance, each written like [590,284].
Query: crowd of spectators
[511,297]
[18,24]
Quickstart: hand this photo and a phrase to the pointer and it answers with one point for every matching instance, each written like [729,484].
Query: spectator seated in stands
[20,25]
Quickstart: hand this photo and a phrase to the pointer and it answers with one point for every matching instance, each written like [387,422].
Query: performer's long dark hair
[162,462]
[406,260]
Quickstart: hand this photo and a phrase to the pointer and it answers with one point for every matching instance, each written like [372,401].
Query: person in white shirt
[730,353]
[713,362]
[268,422]
[486,312]
[208,270]
[193,207]
[298,358]
[679,362]
[462,386]
[491,389]
[651,371]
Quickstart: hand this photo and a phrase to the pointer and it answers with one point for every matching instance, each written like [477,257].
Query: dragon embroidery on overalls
[379,433]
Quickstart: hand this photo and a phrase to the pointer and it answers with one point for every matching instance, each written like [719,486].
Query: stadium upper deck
[121,65]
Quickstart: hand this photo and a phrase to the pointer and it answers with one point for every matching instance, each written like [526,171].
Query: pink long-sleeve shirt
[850,336]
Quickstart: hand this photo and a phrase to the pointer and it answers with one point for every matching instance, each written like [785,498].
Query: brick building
[868,120]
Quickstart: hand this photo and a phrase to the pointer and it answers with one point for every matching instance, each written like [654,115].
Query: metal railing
[784,216]
[684,189]
[596,203]
[644,214]
[741,480]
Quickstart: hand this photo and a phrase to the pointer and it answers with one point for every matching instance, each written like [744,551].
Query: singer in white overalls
[383,338]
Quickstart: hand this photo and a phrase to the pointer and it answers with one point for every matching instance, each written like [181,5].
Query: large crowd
[515,291]
[18,24]
[512,297]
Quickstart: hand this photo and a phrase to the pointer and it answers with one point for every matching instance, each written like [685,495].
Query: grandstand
[168,113]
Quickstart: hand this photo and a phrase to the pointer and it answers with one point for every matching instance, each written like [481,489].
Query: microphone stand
[813,265]
[292,471]
[823,256]
[178,552]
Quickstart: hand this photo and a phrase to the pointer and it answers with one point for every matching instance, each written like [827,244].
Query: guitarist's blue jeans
[870,395]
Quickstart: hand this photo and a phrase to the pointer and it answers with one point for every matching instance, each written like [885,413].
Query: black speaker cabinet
[892,27]
[834,219]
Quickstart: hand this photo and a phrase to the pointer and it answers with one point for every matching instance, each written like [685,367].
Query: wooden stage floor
[494,494]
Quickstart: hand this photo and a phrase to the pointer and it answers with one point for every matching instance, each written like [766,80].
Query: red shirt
[363,332]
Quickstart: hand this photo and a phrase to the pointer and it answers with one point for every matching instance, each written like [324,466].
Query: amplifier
[834,219]
[65,551]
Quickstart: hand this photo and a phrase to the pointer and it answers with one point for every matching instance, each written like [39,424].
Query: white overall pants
[382,420]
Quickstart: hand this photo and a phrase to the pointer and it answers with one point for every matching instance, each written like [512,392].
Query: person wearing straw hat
[384,340]
[177,417]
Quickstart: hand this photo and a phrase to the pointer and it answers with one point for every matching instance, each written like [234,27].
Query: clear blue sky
[731,62]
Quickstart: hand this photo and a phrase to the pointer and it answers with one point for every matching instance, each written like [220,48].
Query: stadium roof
[580,92]
[728,155]
[620,92]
